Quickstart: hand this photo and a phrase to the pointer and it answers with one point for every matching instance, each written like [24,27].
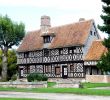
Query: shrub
[81,85]
[44,78]
[14,77]
[30,78]
[39,78]
[36,77]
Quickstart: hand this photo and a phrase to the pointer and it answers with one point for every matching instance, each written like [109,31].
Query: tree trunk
[4,64]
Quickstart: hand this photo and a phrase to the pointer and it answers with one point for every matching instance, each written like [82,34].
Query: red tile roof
[96,50]
[67,35]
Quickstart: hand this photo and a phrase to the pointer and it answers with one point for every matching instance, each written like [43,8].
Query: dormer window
[47,39]
[91,32]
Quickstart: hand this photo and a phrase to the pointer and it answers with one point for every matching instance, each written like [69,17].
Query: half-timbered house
[94,54]
[57,52]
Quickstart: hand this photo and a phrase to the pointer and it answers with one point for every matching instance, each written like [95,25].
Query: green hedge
[36,77]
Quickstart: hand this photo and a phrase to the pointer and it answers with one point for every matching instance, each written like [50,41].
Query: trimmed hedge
[36,77]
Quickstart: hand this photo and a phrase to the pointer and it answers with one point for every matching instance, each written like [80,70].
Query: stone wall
[70,82]
[66,83]
[74,80]
[98,78]
[24,84]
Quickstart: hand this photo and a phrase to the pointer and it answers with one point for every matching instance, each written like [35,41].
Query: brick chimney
[81,19]
[45,23]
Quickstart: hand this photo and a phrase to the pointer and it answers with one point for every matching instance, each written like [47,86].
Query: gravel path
[52,96]
[106,88]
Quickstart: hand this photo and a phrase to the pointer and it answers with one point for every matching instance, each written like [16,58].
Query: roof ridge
[62,25]
[98,40]
[69,34]
[71,23]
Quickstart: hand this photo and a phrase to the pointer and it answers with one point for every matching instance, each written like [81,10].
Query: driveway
[52,96]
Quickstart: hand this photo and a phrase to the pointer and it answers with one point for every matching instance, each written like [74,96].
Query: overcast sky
[60,11]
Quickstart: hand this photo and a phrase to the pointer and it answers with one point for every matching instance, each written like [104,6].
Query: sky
[60,11]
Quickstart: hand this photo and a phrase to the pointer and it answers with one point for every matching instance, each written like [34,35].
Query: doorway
[64,71]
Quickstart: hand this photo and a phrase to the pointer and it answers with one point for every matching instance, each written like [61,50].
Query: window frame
[57,73]
[47,39]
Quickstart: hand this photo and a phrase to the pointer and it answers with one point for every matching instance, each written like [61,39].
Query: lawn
[93,85]
[50,89]
[51,84]
[84,91]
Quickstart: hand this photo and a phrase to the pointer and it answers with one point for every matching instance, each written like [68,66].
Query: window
[72,68]
[57,70]
[26,55]
[70,50]
[91,32]
[61,51]
[47,69]
[47,39]
[46,52]
[94,33]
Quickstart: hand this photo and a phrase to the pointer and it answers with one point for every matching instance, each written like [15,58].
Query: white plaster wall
[90,39]
[46,45]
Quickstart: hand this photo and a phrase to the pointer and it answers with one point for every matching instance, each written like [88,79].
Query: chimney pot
[81,19]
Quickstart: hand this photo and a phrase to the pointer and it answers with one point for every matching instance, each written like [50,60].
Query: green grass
[51,84]
[93,85]
[84,91]
[19,99]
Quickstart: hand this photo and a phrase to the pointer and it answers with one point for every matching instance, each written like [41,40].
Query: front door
[21,72]
[64,71]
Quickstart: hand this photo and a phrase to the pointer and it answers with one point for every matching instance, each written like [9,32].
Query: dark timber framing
[47,60]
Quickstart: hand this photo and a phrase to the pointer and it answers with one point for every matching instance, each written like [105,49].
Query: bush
[81,85]
[30,78]
[44,78]
[36,77]
[14,77]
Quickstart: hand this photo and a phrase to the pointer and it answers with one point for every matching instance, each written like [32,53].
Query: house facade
[94,54]
[58,52]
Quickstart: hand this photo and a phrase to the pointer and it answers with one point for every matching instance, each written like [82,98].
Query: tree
[106,17]
[11,33]
[104,62]
[12,61]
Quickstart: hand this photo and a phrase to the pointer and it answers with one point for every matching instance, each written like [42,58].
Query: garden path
[51,96]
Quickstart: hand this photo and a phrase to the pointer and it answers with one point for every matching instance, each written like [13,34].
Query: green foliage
[51,84]
[104,63]
[0,62]
[106,43]
[94,85]
[36,77]
[14,77]
[106,1]
[106,17]
[11,33]
[12,61]
[81,85]
[44,78]
[31,77]
[106,22]
[84,91]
